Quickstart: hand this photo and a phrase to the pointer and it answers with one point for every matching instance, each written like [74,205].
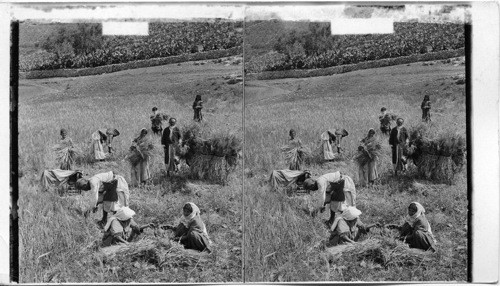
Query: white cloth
[97,147]
[121,188]
[122,214]
[185,220]
[327,147]
[349,187]
[420,211]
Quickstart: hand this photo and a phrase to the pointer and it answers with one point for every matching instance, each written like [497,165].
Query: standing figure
[108,189]
[111,133]
[191,231]
[156,122]
[170,141]
[140,173]
[337,191]
[98,138]
[197,106]
[416,231]
[368,168]
[294,145]
[426,109]
[65,151]
[326,145]
[398,140]
[385,121]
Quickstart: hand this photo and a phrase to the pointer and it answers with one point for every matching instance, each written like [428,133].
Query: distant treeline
[315,47]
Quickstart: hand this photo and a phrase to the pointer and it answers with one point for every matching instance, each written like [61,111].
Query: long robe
[419,235]
[193,236]
[397,140]
[368,172]
[327,146]
[56,177]
[97,147]
[140,172]
[170,140]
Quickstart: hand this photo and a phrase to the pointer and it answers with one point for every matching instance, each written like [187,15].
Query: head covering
[341,132]
[309,184]
[351,213]
[81,184]
[172,119]
[339,215]
[63,131]
[154,109]
[185,220]
[383,109]
[124,213]
[400,120]
[420,211]
[198,97]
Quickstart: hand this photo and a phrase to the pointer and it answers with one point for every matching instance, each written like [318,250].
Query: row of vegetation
[83,45]
[315,47]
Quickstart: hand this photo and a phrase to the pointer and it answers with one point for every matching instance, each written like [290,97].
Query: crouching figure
[416,231]
[347,227]
[121,228]
[191,231]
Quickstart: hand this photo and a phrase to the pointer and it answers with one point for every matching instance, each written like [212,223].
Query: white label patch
[125,28]
[362,26]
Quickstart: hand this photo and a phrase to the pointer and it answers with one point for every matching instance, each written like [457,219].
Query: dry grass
[285,243]
[58,244]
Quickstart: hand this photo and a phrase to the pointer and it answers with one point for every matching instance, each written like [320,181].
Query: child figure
[197,107]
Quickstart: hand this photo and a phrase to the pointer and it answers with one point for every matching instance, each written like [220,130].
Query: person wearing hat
[170,141]
[348,228]
[108,189]
[398,140]
[121,228]
[335,190]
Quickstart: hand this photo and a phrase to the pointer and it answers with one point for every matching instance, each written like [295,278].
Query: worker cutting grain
[139,157]
[348,227]
[191,231]
[398,141]
[335,190]
[336,136]
[108,189]
[121,228]
[416,231]
[100,137]
[170,141]
[368,153]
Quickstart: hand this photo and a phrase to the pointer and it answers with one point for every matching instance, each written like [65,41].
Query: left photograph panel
[130,151]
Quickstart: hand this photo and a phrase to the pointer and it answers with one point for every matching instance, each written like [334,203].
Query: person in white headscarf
[191,231]
[120,228]
[416,231]
[347,227]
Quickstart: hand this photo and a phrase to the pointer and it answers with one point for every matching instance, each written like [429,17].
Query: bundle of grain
[213,159]
[384,251]
[140,151]
[439,158]
[368,152]
[66,155]
[296,156]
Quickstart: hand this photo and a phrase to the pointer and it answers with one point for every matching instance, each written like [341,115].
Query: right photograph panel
[355,145]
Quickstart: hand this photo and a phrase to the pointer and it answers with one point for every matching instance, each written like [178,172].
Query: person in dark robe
[398,140]
[197,107]
[426,109]
[170,141]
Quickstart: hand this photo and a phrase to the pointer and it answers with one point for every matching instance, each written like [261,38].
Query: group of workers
[338,191]
[112,190]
